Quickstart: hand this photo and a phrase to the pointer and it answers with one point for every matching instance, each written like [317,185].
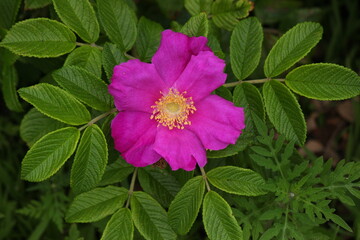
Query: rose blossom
[166,109]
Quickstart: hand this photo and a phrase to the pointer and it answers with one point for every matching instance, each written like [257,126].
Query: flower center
[172,110]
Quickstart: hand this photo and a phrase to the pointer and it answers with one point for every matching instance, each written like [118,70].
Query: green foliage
[150,218]
[292,47]
[34,4]
[84,86]
[90,160]
[196,26]
[148,40]
[219,222]
[86,57]
[10,9]
[284,111]
[9,79]
[80,17]
[49,153]
[112,56]
[116,172]
[245,47]
[120,226]
[96,204]
[194,7]
[186,205]
[39,37]
[226,13]
[56,103]
[324,81]
[119,22]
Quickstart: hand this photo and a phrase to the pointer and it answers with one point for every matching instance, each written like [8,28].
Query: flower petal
[134,135]
[180,148]
[175,52]
[136,86]
[217,122]
[203,74]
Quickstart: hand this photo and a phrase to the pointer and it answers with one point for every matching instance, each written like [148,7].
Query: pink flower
[167,109]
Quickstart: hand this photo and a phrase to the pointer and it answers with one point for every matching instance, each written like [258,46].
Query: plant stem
[255,81]
[131,189]
[205,178]
[94,120]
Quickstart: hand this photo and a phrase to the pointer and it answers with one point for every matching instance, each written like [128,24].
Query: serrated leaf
[242,142]
[34,4]
[90,160]
[116,172]
[80,17]
[245,47]
[9,80]
[150,218]
[226,13]
[34,125]
[39,37]
[120,226]
[148,40]
[159,183]
[291,47]
[111,56]
[96,204]
[185,207]
[224,92]
[219,222]
[48,154]
[86,57]
[237,180]
[9,10]
[195,7]
[196,26]
[339,221]
[284,111]
[324,81]
[55,103]
[119,22]
[85,86]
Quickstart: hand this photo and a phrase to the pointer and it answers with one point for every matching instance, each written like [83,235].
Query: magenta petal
[203,74]
[134,135]
[217,122]
[175,52]
[180,148]
[136,86]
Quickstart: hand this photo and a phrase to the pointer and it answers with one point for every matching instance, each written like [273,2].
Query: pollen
[173,109]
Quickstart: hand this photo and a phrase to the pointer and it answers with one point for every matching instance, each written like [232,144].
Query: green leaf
[245,47]
[195,7]
[96,204]
[292,47]
[9,10]
[86,57]
[119,22]
[111,56]
[9,80]
[34,4]
[90,160]
[237,180]
[339,221]
[148,40]
[219,222]
[48,154]
[56,103]
[150,218]
[39,37]
[159,184]
[224,92]
[116,172]
[84,86]
[227,12]
[80,17]
[241,143]
[120,226]
[324,81]
[34,125]
[185,207]
[284,111]
[196,26]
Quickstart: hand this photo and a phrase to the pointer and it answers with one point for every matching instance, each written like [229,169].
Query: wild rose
[166,109]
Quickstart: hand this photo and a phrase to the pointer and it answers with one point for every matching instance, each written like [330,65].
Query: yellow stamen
[172,110]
